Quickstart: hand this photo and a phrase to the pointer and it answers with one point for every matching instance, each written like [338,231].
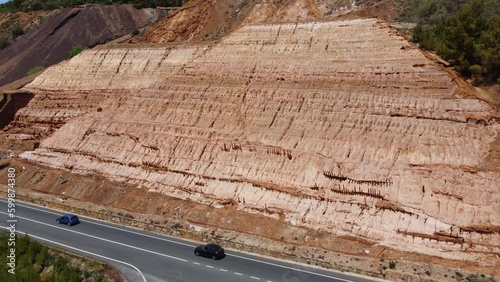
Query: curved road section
[143,256]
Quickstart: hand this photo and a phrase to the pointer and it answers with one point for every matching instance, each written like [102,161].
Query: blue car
[69,219]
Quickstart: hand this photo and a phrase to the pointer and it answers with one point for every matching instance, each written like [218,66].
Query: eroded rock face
[340,126]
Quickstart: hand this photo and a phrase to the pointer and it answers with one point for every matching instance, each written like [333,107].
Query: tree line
[466,33]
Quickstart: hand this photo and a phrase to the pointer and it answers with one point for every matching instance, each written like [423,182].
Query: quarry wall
[338,126]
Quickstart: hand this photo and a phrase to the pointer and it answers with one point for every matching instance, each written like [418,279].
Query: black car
[213,251]
[69,219]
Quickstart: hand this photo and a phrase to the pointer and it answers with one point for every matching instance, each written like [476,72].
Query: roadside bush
[34,70]
[75,51]
[392,264]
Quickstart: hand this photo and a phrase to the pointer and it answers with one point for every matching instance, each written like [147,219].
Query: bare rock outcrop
[338,126]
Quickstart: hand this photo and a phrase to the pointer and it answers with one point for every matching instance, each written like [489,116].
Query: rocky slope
[336,126]
[51,41]
[212,19]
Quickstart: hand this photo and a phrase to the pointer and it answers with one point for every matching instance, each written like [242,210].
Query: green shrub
[42,258]
[75,51]
[392,264]
[34,70]
[17,30]
[51,5]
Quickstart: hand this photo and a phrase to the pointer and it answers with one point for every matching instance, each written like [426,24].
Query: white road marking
[291,268]
[102,239]
[197,263]
[225,270]
[82,251]
[237,273]
[209,266]
[108,226]
[256,278]
[189,245]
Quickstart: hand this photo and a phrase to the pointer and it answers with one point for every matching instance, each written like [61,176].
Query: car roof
[213,246]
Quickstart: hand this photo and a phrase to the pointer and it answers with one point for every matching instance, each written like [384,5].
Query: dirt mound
[200,19]
[51,42]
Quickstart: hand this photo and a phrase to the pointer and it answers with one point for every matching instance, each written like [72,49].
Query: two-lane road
[143,256]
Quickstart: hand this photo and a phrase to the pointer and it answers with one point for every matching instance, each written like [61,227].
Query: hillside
[209,20]
[51,41]
[286,136]
[266,118]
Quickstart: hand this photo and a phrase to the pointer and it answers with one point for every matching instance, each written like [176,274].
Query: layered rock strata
[338,126]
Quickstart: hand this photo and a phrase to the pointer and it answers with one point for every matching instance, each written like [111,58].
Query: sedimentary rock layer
[340,126]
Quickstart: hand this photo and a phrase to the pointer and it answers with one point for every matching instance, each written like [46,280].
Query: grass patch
[34,70]
[75,51]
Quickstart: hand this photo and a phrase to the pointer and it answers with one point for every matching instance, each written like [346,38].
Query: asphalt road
[143,256]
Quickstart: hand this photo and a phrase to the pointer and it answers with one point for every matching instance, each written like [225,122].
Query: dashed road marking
[256,278]
[197,263]
[26,205]
[291,268]
[237,273]
[223,270]
[209,266]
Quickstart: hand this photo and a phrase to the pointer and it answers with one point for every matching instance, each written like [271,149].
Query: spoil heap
[338,126]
